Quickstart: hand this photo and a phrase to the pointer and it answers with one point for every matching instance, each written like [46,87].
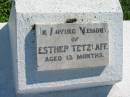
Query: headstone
[66,44]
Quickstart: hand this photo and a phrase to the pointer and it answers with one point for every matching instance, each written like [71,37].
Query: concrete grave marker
[66,44]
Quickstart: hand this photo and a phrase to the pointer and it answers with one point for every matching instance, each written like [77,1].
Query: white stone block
[72,45]
[26,14]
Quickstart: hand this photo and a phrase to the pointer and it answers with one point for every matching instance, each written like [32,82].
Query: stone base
[7,87]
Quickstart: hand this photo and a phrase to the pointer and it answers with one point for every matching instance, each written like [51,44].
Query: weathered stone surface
[27,13]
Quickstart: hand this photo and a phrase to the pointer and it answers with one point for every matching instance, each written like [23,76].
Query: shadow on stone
[6,70]
[34,76]
[86,92]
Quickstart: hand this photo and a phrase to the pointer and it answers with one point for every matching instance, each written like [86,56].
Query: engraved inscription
[67,46]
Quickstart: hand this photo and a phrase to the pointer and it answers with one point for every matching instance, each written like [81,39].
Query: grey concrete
[120,89]
[27,13]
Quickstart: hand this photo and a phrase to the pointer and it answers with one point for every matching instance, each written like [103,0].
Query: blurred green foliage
[126,8]
[5,6]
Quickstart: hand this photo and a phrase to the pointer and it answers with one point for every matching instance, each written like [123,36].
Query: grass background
[5,6]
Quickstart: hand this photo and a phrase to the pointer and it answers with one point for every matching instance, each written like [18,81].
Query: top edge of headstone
[67,6]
